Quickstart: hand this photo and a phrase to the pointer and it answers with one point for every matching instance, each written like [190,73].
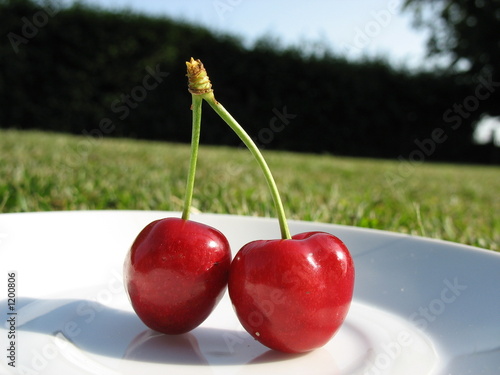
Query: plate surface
[420,306]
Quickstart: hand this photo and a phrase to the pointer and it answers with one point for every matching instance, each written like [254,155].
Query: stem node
[198,81]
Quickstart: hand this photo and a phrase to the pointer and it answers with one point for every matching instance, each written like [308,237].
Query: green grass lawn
[45,172]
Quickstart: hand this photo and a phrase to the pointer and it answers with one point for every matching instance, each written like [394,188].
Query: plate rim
[353,228]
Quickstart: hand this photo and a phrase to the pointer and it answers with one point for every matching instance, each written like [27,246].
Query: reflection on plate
[420,306]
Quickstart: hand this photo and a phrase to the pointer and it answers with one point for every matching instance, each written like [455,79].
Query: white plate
[420,306]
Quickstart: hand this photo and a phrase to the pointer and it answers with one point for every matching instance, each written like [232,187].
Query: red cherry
[292,295]
[175,273]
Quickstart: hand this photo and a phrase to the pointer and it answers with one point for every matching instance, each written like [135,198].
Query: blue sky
[355,28]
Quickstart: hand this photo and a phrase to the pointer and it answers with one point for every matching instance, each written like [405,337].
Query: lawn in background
[45,172]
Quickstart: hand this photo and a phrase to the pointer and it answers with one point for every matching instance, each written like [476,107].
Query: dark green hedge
[92,72]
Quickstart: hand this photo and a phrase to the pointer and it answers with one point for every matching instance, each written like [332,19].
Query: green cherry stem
[195,143]
[243,135]
[200,86]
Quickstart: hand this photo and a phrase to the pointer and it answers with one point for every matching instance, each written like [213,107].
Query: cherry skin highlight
[175,273]
[292,295]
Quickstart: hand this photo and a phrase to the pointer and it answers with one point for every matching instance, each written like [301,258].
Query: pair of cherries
[291,294]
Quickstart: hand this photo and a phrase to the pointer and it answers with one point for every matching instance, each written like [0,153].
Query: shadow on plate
[80,325]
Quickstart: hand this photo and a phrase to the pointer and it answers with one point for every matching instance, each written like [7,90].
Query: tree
[466,31]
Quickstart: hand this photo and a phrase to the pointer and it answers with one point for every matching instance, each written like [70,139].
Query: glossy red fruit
[175,273]
[292,295]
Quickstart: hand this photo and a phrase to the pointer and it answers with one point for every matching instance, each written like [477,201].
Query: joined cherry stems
[200,88]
